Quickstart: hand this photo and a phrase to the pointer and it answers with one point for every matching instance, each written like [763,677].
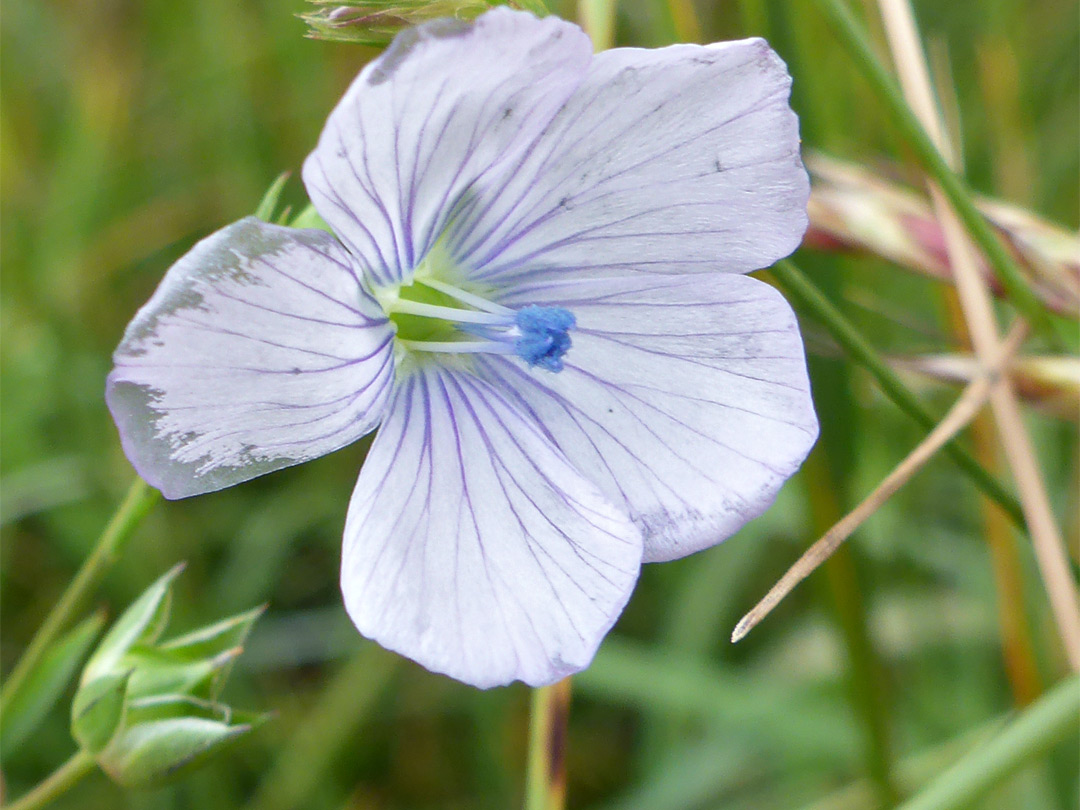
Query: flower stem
[57,783]
[138,501]
[545,778]
[598,19]
[800,289]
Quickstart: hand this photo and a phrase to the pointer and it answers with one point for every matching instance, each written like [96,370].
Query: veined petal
[685,399]
[674,160]
[260,349]
[473,547]
[426,125]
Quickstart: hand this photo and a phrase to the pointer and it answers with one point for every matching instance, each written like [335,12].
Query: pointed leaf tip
[269,203]
[213,639]
[141,623]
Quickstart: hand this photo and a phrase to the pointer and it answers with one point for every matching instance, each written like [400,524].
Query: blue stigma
[544,339]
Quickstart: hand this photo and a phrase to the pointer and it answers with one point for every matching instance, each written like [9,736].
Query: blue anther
[544,339]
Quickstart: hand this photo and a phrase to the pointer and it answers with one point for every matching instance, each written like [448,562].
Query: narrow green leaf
[801,290]
[1046,722]
[375,24]
[269,203]
[222,641]
[136,505]
[46,682]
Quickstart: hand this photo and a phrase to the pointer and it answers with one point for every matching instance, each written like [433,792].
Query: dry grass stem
[855,209]
[962,412]
[1049,383]
[978,310]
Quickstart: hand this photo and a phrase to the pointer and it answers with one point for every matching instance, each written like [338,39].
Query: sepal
[142,623]
[154,753]
[98,710]
[213,639]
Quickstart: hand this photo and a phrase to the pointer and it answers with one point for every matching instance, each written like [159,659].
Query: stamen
[458,346]
[407,307]
[467,297]
[538,335]
[544,339]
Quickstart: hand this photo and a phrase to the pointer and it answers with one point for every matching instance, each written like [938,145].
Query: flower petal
[685,399]
[425,125]
[473,547]
[674,160]
[259,350]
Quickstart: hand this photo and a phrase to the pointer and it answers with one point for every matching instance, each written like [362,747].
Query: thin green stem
[885,87]
[598,19]
[1047,721]
[803,292]
[57,783]
[545,776]
[136,504]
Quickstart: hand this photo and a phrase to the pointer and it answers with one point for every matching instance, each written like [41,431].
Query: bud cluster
[376,23]
[147,710]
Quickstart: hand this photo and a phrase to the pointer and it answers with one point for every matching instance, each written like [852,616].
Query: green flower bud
[376,23]
[152,753]
[146,709]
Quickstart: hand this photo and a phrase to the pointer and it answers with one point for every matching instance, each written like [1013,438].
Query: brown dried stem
[978,311]
[962,412]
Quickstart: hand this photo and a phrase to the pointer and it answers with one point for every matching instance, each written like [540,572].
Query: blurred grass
[128,130]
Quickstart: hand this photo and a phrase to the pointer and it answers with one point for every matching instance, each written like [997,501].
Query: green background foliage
[131,129]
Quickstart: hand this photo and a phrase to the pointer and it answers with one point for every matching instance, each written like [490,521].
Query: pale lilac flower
[536,292]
